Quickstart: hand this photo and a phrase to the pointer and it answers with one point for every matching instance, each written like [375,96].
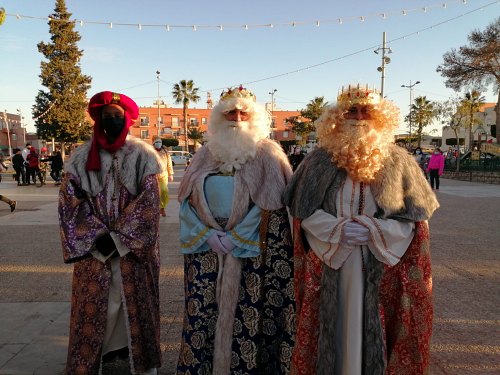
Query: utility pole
[272,112]
[158,102]
[385,60]
[410,86]
[8,132]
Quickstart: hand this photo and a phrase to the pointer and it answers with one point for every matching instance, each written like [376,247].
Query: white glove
[228,245]
[214,241]
[355,234]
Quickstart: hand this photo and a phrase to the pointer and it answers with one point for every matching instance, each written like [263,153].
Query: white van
[180,157]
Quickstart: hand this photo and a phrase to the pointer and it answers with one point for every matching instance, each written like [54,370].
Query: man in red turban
[108,212]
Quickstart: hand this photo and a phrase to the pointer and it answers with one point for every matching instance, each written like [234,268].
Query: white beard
[233,144]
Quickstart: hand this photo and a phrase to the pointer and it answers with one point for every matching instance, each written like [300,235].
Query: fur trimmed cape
[399,189]
[260,180]
[137,159]
[392,344]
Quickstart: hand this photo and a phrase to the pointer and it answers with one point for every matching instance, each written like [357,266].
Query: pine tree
[59,112]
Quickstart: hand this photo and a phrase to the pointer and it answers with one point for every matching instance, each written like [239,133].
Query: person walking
[167,174]
[296,157]
[239,315]
[421,159]
[27,172]
[18,165]
[360,206]
[109,219]
[12,204]
[435,167]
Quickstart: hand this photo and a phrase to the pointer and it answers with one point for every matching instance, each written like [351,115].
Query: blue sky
[125,59]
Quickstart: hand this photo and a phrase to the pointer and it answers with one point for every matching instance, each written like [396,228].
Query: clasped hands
[355,234]
[220,243]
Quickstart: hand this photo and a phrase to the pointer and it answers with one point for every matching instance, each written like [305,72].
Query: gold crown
[358,95]
[237,92]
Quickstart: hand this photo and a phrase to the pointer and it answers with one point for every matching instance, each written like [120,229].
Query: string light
[340,21]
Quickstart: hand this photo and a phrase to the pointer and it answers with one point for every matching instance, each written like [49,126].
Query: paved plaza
[35,284]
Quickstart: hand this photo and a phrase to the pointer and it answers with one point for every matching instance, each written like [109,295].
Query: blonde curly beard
[359,148]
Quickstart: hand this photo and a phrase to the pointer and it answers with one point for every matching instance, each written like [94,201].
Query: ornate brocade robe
[239,315]
[122,199]
[396,302]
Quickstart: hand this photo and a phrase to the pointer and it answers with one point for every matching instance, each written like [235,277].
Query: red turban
[99,139]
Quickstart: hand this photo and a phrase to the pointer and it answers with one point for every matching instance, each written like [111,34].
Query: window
[145,134]
[175,122]
[193,121]
[161,120]
[285,134]
[203,120]
[14,136]
[144,120]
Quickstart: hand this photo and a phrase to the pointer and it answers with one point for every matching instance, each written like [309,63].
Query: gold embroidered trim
[242,240]
[116,98]
[196,239]
[264,221]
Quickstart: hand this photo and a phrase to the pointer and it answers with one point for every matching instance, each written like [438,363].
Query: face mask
[112,126]
[157,145]
[436,152]
[419,152]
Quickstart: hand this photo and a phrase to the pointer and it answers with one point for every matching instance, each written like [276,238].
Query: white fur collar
[136,159]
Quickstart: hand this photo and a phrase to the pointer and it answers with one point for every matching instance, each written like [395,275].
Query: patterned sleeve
[79,226]
[137,226]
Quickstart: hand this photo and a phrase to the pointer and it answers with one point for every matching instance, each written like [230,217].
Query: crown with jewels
[237,92]
[358,95]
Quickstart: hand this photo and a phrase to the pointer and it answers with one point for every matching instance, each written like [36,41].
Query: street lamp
[272,110]
[385,60]
[22,125]
[410,86]
[8,132]
[158,101]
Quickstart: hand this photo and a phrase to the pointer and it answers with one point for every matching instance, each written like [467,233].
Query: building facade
[168,122]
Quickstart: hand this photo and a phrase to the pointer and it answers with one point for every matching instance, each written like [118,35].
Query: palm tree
[312,112]
[422,113]
[471,103]
[196,135]
[184,92]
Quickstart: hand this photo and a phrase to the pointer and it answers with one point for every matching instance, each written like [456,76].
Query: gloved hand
[79,192]
[214,241]
[105,244]
[355,234]
[228,245]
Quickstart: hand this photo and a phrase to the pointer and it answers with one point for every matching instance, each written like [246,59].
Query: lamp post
[8,132]
[385,60]
[22,126]
[158,101]
[410,86]
[272,111]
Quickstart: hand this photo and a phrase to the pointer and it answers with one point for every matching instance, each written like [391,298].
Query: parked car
[180,157]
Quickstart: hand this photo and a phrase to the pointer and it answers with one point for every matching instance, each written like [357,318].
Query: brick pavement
[35,284]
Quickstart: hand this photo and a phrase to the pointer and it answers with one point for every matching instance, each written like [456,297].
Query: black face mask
[112,126]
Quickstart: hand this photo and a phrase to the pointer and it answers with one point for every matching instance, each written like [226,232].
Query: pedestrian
[56,166]
[435,167]
[363,285]
[12,204]
[108,213]
[18,165]
[239,315]
[167,174]
[34,167]
[421,159]
[27,172]
[296,157]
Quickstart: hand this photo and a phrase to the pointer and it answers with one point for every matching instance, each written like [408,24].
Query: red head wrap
[99,139]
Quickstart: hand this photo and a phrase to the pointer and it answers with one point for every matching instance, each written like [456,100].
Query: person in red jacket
[34,167]
[435,167]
